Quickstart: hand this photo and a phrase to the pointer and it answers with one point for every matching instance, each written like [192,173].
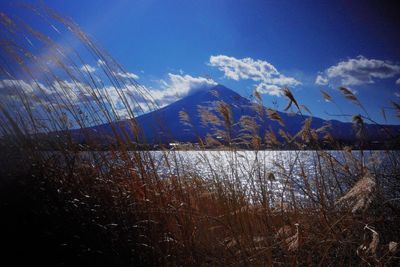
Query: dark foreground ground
[46,223]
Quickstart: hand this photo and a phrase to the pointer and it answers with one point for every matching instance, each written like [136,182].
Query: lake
[275,171]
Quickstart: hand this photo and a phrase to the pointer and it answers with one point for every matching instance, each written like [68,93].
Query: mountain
[164,125]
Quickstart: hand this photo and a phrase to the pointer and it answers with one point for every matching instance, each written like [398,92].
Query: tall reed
[67,203]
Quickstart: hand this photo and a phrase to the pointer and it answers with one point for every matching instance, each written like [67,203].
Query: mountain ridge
[164,125]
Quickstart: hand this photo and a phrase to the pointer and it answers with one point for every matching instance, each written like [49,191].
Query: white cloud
[62,96]
[269,89]
[398,81]
[268,77]
[83,97]
[17,88]
[179,86]
[88,68]
[358,71]
[246,68]
[126,75]
[320,80]
[101,62]
[396,94]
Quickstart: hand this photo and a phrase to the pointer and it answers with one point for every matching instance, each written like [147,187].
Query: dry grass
[115,209]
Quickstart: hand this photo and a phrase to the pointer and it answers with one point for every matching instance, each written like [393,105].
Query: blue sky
[305,45]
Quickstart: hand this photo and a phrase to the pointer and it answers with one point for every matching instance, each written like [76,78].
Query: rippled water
[252,170]
[246,163]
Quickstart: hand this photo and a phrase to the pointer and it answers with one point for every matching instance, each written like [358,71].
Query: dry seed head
[324,128]
[291,98]
[326,96]
[256,142]
[304,132]
[257,95]
[248,124]
[284,135]
[361,194]
[397,107]
[349,95]
[373,246]
[369,250]
[270,138]
[358,124]
[224,109]
[293,242]
[304,107]
[259,108]
[357,119]
[393,247]
[273,115]
[184,118]
[207,117]
[284,232]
